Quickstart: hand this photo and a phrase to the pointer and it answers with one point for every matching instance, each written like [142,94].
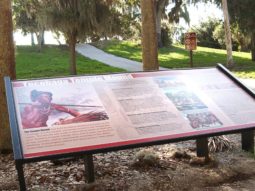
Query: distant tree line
[211,34]
[242,15]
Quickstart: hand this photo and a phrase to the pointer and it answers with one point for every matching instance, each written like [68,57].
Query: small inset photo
[185,100]
[203,120]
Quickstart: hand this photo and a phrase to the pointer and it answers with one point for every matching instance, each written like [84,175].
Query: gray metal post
[202,147]
[248,141]
[21,178]
[89,168]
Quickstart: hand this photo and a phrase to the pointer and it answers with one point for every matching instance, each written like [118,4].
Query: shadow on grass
[54,61]
[177,57]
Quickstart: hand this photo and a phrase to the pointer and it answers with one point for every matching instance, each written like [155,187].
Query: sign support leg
[202,147]
[21,178]
[89,168]
[191,58]
[248,141]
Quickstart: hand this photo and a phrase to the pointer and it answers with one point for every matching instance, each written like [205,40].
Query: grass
[54,61]
[177,57]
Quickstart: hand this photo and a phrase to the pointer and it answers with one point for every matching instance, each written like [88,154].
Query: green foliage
[53,61]
[242,11]
[211,33]
[240,42]
[219,34]
[166,34]
[205,33]
[82,18]
[26,18]
[130,18]
[78,20]
[242,38]
[178,11]
[177,57]
[23,17]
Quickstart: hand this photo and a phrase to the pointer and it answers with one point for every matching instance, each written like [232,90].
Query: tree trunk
[149,35]
[230,61]
[43,39]
[159,11]
[253,46]
[7,68]
[32,39]
[72,42]
[40,39]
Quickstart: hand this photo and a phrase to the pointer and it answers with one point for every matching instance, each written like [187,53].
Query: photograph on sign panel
[177,91]
[185,100]
[169,82]
[188,102]
[45,107]
[203,119]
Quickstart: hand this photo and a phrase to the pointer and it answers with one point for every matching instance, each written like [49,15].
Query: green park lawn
[177,57]
[53,61]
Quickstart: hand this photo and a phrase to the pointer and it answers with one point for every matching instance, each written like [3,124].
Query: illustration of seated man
[37,113]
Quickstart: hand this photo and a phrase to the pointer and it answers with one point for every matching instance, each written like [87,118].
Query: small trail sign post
[190,40]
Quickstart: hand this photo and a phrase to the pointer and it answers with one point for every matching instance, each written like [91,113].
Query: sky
[198,13]
[201,12]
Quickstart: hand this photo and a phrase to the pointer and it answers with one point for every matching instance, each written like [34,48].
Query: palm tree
[7,68]
[77,19]
[230,61]
[149,35]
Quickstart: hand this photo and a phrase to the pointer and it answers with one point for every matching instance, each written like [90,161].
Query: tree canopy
[77,20]
[242,13]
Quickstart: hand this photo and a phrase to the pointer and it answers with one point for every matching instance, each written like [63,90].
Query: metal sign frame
[202,150]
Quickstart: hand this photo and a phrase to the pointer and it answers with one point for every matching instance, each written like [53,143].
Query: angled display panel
[83,113]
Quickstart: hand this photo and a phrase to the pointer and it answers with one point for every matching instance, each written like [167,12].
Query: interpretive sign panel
[83,113]
[190,40]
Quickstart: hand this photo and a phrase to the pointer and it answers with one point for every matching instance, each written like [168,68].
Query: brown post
[191,58]
[7,68]
[149,35]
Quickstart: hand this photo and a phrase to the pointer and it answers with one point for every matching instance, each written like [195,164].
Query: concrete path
[129,65]
[109,59]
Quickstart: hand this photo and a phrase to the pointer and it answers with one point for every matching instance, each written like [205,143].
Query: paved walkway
[109,59]
[129,65]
